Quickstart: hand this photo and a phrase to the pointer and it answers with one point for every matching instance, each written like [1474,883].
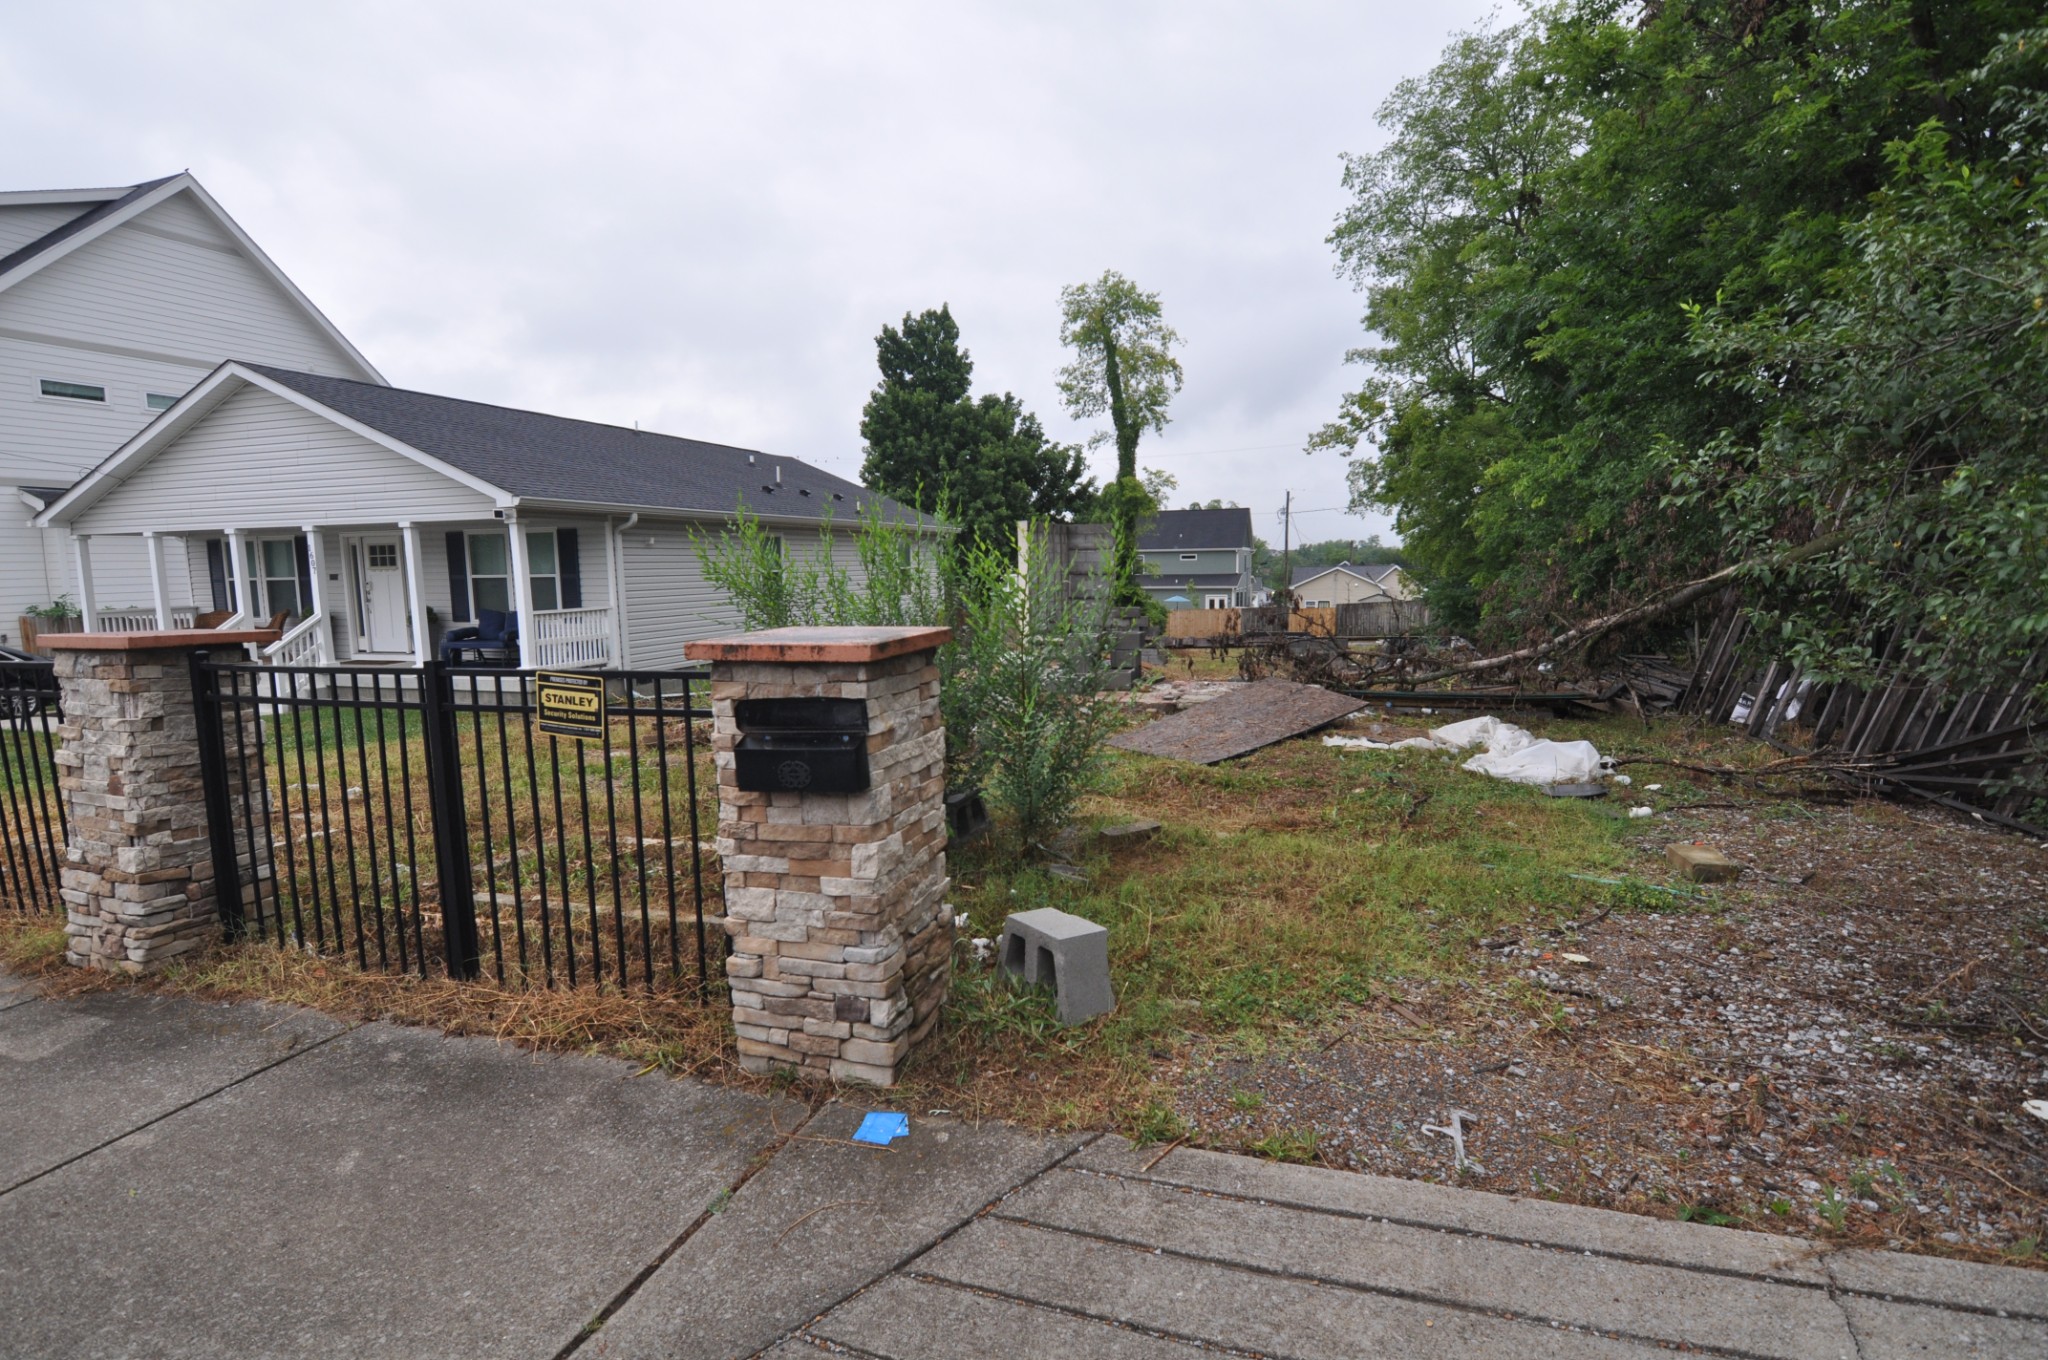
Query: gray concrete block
[1572,1227]
[761,1267]
[1650,1302]
[1070,954]
[1222,1306]
[916,1320]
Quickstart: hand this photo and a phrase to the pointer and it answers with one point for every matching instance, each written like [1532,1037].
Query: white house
[1322,587]
[113,303]
[367,514]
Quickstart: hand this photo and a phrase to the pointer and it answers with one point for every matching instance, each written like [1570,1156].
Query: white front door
[382,624]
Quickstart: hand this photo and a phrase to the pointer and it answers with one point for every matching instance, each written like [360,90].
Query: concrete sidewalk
[188,1180]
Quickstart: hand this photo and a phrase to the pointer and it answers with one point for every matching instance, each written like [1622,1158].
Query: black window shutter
[217,573]
[458,577]
[305,575]
[570,567]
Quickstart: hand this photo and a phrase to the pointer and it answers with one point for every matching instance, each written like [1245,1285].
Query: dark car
[24,692]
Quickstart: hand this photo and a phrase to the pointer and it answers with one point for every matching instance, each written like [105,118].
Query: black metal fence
[420,821]
[32,826]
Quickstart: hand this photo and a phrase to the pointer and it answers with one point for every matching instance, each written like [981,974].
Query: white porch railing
[141,620]
[300,646]
[569,637]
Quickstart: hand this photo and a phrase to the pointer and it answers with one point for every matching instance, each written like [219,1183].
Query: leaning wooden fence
[1979,750]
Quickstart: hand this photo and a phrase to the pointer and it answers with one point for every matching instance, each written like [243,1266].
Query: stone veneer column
[836,902]
[138,867]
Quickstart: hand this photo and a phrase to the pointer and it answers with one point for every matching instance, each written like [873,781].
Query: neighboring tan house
[113,304]
[1322,587]
[365,511]
[1197,559]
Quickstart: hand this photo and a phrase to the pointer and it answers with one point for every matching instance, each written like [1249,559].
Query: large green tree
[986,458]
[1123,367]
[1551,199]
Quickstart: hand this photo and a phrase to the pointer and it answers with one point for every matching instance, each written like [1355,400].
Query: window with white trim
[543,570]
[1190,557]
[159,401]
[1216,601]
[274,566]
[73,391]
[490,571]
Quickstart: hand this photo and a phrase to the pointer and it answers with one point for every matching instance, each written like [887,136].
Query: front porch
[396,594]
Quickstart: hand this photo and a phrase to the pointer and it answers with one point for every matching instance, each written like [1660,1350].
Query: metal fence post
[451,822]
[220,807]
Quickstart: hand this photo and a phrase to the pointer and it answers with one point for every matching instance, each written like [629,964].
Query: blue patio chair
[494,636]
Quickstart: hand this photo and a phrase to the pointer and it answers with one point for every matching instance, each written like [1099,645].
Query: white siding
[52,441]
[182,214]
[258,461]
[27,222]
[25,577]
[142,290]
[668,601]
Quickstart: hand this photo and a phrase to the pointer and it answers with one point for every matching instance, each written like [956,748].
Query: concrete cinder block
[1070,954]
[1701,863]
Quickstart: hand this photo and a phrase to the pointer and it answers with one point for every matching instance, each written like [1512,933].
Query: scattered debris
[2036,1108]
[882,1127]
[984,948]
[1067,873]
[1581,960]
[1455,1131]
[1142,829]
[1576,790]
[1239,723]
[1636,812]
[1702,863]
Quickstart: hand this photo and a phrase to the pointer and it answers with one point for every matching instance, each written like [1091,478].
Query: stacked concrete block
[835,902]
[138,879]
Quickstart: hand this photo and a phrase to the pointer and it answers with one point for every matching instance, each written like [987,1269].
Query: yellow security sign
[571,704]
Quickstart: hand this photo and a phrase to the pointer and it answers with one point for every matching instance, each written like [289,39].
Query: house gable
[170,281]
[258,459]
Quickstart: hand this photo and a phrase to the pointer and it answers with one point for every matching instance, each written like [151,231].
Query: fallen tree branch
[1676,598]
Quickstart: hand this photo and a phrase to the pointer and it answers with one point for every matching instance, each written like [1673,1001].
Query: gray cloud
[698,217]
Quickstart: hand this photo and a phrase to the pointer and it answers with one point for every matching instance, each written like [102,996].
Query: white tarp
[1510,753]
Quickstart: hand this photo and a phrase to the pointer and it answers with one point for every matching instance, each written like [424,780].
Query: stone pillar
[138,868]
[835,902]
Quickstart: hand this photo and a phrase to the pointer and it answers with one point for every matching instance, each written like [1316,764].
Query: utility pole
[1287,557]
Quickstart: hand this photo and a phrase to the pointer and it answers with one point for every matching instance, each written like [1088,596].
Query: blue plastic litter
[882,1128]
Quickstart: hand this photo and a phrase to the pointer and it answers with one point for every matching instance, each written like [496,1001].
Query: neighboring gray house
[365,510]
[113,303]
[1198,559]
[1323,587]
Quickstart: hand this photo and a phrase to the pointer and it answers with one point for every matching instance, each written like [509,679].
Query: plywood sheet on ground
[1256,715]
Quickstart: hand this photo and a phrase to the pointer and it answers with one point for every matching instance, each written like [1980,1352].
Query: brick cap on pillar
[155,642]
[817,645]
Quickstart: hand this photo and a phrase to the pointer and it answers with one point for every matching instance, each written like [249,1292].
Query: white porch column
[159,584]
[522,588]
[81,552]
[238,589]
[416,594]
[316,562]
[615,615]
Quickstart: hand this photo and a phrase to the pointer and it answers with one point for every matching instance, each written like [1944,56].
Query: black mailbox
[807,745]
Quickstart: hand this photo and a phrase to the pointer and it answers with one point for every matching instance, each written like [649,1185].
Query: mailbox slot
[802,745]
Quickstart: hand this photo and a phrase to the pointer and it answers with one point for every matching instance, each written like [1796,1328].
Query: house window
[1216,601]
[490,579]
[274,564]
[1190,557]
[490,571]
[541,568]
[72,391]
[159,401]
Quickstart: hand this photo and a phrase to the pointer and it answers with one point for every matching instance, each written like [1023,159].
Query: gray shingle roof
[1187,530]
[1375,573]
[86,217]
[553,458]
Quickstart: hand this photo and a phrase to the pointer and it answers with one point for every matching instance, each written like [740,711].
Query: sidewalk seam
[1383,1291]
[1358,1215]
[1068,1310]
[1835,1297]
[802,1329]
[754,1167]
[250,1075]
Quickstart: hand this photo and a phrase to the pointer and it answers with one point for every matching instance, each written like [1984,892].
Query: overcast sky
[697,217]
